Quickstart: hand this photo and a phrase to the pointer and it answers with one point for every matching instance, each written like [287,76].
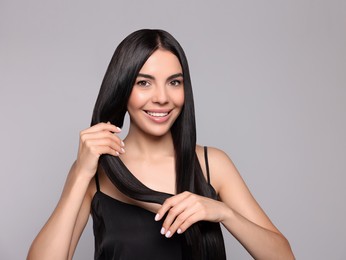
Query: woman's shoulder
[221,167]
[213,154]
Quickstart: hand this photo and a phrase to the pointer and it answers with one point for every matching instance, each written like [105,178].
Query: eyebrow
[152,77]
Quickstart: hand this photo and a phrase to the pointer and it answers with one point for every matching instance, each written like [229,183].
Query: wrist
[79,173]
[227,214]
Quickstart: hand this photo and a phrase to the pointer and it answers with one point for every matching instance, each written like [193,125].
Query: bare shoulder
[213,153]
[232,189]
[221,168]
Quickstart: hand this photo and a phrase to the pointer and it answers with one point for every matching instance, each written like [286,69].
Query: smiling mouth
[157,114]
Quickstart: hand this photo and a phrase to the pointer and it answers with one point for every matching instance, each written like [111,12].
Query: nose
[160,94]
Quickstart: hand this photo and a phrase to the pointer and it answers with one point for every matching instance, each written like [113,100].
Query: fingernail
[168,234]
[119,129]
[122,150]
[116,153]
[162,231]
[157,216]
[122,144]
[179,231]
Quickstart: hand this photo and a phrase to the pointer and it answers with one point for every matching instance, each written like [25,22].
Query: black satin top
[124,231]
[127,232]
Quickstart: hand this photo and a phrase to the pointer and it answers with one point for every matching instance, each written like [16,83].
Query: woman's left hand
[187,208]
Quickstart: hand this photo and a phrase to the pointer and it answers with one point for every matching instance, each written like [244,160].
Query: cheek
[136,100]
[180,99]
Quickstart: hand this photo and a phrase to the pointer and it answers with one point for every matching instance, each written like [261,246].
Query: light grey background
[270,89]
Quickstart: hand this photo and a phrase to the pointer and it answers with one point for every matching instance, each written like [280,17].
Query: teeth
[157,114]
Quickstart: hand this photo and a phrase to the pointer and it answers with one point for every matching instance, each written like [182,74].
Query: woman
[164,197]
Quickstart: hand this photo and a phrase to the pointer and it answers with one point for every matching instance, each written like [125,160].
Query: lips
[158,116]
[158,113]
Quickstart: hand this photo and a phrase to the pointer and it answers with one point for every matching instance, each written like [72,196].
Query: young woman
[156,194]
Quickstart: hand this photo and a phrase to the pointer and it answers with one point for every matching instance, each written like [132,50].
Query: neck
[140,144]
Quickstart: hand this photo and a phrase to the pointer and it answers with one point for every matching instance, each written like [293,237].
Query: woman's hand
[95,141]
[187,208]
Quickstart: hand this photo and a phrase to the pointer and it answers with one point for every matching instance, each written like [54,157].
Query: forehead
[162,62]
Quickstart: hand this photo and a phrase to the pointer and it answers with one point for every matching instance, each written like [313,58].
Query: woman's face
[157,97]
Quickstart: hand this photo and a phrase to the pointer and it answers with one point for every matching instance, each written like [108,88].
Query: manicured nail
[179,231]
[119,129]
[122,150]
[168,234]
[162,231]
[122,144]
[157,216]
[116,153]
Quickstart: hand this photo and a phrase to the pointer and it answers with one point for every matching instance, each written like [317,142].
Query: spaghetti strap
[97,182]
[206,162]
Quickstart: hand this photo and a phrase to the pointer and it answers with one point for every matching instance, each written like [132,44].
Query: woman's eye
[143,83]
[175,82]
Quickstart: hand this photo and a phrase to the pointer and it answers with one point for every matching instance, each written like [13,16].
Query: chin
[158,133]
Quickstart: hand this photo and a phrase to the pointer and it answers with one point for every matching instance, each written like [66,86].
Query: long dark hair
[203,240]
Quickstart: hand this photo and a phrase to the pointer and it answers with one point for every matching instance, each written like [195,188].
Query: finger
[107,150]
[103,142]
[118,129]
[192,219]
[102,135]
[174,213]
[178,221]
[102,127]
[170,202]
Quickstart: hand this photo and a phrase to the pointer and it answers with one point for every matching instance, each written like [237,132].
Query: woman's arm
[238,211]
[53,241]
[59,236]
[243,217]
[82,219]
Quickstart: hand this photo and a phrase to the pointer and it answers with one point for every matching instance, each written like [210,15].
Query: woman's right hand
[60,234]
[95,141]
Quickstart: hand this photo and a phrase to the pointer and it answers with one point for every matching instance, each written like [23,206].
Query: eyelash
[144,83]
[175,82]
